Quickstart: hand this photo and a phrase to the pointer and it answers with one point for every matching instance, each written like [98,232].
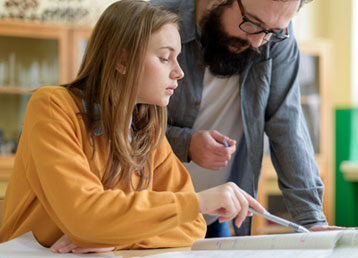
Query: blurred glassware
[2,143]
[12,69]
[22,75]
[34,74]
[4,73]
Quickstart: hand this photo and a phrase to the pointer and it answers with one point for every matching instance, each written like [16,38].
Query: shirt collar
[97,110]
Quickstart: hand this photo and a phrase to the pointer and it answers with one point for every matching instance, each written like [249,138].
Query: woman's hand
[228,201]
[65,245]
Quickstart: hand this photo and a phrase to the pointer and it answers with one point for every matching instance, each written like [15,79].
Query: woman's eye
[163,59]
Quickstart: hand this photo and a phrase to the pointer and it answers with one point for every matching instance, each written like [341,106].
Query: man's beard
[215,42]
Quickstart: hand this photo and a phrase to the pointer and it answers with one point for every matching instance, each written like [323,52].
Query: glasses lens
[249,27]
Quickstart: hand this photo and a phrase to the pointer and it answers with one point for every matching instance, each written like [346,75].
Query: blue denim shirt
[97,110]
[270,103]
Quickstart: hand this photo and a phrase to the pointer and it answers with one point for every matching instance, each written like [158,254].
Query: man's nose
[256,40]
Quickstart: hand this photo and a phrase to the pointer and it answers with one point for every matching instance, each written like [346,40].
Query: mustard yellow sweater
[55,187]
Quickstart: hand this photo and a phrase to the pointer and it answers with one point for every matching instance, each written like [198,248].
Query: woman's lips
[170,90]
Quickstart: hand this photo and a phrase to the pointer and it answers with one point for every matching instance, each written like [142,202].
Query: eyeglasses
[252,28]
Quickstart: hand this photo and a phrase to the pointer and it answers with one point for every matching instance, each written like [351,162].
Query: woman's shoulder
[51,92]
[51,102]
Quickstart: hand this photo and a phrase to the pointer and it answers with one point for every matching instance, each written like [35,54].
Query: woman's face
[161,68]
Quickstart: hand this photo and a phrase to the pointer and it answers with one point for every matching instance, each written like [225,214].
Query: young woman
[93,168]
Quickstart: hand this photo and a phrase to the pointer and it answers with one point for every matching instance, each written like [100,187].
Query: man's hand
[207,149]
[327,228]
[228,201]
[65,245]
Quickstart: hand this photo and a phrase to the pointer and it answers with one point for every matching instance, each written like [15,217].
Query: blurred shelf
[16,90]
[349,170]
[310,99]
[32,29]
[6,164]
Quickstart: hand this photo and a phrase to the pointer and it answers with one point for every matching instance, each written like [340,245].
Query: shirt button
[201,67]
[197,103]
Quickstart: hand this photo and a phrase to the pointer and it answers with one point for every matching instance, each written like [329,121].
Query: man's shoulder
[186,10]
[286,49]
[171,5]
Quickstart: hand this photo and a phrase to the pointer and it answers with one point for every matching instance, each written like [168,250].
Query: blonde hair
[122,31]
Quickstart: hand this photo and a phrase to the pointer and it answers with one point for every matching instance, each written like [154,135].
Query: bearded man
[241,61]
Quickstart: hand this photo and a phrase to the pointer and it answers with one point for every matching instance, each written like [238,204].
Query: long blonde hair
[124,27]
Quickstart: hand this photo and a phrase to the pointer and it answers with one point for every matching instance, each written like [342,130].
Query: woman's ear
[121,64]
[121,69]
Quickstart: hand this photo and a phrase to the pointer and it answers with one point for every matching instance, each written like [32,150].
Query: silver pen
[281,221]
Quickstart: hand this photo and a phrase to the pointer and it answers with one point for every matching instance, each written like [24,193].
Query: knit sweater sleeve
[74,197]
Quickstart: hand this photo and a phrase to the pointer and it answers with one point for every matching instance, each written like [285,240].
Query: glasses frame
[278,37]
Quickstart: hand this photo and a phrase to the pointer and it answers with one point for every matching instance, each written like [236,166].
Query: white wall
[303,23]
[333,20]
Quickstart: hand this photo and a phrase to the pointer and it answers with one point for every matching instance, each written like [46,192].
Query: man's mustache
[236,43]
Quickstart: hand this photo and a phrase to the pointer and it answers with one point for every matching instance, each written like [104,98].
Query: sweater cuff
[187,207]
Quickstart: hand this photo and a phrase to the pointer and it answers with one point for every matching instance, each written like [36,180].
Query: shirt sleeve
[290,144]
[171,175]
[179,138]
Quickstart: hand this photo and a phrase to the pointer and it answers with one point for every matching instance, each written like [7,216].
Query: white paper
[325,244]
[317,253]
[337,244]
[312,240]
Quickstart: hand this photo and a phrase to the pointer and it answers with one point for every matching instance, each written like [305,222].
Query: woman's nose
[177,73]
